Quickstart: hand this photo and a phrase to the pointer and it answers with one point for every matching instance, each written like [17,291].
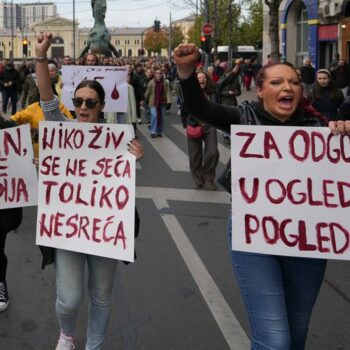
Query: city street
[181,293]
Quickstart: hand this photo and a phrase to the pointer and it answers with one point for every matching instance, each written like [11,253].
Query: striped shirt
[52,111]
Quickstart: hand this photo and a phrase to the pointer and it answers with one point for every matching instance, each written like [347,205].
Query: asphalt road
[181,293]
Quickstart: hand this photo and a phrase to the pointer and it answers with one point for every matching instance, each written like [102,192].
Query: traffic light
[156,26]
[25,47]
[205,43]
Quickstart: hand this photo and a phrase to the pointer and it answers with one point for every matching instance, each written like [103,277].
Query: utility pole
[206,11]
[229,27]
[74,30]
[12,33]
[216,34]
[170,38]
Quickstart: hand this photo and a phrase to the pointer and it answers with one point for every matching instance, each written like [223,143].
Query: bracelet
[41,59]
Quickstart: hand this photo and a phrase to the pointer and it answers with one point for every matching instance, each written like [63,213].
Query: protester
[56,80]
[279,291]
[248,72]
[307,72]
[90,59]
[30,93]
[10,219]
[70,266]
[9,82]
[325,97]
[147,111]
[140,75]
[341,76]
[203,161]
[157,97]
[229,89]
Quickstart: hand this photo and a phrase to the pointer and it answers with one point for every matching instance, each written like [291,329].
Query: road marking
[225,318]
[176,159]
[180,194]
[224,151]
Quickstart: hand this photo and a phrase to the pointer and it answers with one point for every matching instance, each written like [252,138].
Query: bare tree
[274,6]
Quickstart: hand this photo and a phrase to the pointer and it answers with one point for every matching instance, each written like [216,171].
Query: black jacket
[222,116]
[10,74]
[246,113]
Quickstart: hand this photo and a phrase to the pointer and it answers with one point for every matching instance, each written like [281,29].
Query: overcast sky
[131,13]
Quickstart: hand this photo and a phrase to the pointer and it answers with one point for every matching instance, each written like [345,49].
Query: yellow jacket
[32,115]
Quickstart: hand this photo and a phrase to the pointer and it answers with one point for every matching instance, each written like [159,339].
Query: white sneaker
[4,298]
[139,121]
[65,343]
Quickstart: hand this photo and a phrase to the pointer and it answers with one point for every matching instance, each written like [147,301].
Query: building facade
[185,24]
[23,16]
[69,39]
[312,28]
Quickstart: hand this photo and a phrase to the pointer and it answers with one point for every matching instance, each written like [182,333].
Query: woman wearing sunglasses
[70,266]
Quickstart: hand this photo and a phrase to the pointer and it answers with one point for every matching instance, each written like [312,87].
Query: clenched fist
[185,56]
[43,42]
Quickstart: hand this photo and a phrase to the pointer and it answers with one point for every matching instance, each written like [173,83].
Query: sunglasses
[89,102]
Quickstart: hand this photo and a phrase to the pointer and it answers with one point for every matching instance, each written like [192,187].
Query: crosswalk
[172,155]
[177,161]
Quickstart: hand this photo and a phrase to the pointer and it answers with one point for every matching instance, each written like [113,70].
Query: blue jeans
[157,128]
[279,294]
[70,271]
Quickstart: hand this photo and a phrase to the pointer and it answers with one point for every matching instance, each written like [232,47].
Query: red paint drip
[115,93]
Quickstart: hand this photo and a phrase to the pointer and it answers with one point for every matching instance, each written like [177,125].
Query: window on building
[302,35]
[129,52]
[127,42]
[137,42]
[117,42]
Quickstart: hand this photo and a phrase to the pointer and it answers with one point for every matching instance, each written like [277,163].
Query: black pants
[3,257]
[10,219]
[6,95]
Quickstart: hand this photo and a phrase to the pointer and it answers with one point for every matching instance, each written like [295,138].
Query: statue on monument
[99,38]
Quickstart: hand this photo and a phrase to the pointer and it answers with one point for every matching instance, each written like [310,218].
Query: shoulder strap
[249,113]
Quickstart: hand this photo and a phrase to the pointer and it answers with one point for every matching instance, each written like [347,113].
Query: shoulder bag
[195,132]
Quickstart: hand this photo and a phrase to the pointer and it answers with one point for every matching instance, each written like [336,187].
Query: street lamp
[25,47]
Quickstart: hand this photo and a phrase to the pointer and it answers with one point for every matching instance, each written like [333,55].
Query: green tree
[155,41]
[274,6]
[194,33]
[232,24]
[251,29]
[177,36]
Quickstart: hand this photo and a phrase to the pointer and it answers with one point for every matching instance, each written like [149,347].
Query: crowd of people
[279,291]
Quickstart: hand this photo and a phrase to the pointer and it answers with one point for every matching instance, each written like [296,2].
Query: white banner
[290,191]
[18,178]
[112,78]
[87,189]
